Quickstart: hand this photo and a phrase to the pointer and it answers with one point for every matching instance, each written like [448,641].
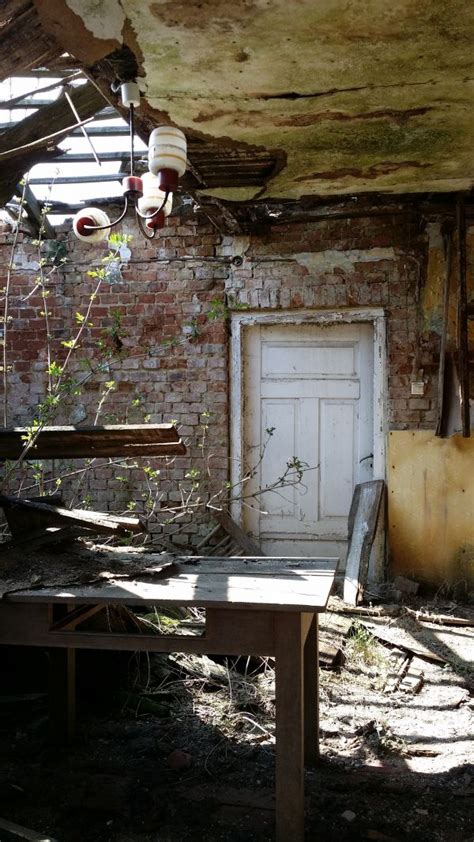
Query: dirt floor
[185,750]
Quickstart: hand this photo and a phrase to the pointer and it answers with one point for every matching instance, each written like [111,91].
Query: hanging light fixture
[151,195]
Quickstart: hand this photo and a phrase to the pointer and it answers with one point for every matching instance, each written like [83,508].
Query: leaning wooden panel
[89,442]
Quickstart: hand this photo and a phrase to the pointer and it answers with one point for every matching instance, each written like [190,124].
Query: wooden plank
[62,694]
[333,628]
[29,625]
[303,593]
[88,442]
[44,537]
[399,662]
[448,259]
[58,516]
[289,691]
[21,522]
[440,619]
[462,338]
[24,832]
[311,693]
[254,632]
[75,617]
[62,687]
[413,647]
[266,566]
[233,529]
[412,681]
[363,517]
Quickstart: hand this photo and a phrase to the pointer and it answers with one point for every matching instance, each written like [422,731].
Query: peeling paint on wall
[345,260]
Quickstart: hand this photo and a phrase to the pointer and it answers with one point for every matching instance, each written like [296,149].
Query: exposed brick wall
[363,262]
[162,370]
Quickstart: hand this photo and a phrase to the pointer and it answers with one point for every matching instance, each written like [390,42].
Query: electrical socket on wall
[418,387]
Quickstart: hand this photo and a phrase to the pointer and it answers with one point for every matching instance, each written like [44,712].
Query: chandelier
[150,195]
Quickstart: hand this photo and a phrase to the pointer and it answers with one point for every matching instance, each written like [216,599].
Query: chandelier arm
[157,210]
[142,227]
[132,132]
[110,224]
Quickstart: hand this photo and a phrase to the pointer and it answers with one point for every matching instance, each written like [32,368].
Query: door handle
[364,459]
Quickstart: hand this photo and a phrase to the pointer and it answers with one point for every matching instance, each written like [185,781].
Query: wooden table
[254,606]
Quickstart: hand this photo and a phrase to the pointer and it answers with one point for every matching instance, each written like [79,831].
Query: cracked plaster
[360,96]
[103,18]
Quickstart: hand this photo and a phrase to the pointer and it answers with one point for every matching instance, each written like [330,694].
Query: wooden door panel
[312,387]
[338,437]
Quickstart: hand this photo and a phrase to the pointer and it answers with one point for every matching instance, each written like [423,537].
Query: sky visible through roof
[70,193]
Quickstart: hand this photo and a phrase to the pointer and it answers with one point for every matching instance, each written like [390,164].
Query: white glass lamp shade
[87,217]
[153,197]
[167,150]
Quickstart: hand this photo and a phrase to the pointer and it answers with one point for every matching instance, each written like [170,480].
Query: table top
[275,584]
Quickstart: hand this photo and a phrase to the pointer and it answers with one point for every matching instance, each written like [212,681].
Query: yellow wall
[431,506]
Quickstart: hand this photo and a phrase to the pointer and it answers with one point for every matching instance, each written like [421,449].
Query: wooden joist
[128,440]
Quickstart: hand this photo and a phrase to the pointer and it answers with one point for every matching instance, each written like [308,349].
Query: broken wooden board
[248,546]
[363,522]
[425,616]
[229,538]
[333,628]
[24,832]
[59,516]
[20,528]
[128,440]
[44,537]
[394,636]
[399,662]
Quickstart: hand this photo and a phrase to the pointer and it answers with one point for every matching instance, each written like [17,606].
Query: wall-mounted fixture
[151,195]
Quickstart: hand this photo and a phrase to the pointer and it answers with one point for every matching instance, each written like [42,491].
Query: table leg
[311,693]
[62,687]
[62,695]
[289,676]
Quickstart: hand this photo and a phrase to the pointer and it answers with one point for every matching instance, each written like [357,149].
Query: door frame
[241,320]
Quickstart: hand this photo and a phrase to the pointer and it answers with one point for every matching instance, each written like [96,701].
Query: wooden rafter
[16,159]
[23,42]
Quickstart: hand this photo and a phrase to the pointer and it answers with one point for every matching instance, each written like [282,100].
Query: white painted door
[308,401]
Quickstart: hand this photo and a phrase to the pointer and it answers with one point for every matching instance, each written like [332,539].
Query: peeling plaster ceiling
[349,96]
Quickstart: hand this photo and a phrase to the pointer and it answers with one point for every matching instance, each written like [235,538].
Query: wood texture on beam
[91,442]
[23,42]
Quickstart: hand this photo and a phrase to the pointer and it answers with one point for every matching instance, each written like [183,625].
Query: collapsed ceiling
[287,104]
[286,100]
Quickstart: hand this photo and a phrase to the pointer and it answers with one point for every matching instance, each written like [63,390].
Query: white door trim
[243,319]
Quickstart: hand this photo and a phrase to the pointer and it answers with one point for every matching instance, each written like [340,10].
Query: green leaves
[54,369]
